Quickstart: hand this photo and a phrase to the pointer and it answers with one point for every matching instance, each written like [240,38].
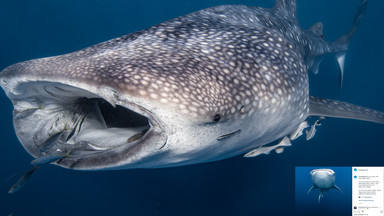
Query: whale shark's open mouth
[57,119]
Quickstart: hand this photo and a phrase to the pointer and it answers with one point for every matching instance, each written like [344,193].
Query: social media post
[367,192]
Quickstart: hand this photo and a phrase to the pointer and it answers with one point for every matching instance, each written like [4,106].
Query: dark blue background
[333,203]
[237,186]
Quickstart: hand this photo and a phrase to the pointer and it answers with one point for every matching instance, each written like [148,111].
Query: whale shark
[324,180]
[206,86]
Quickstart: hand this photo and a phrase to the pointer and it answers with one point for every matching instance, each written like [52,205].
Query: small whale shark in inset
[206,86]
[324,180]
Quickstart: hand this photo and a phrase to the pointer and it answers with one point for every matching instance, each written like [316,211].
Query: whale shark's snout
[324,180]
[91,124]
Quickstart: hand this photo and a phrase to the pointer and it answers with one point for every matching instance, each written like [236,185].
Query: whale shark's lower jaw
[53,118]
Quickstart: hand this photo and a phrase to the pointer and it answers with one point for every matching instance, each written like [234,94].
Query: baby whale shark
[210,85]
[324,180]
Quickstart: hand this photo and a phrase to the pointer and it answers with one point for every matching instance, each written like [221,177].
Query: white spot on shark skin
[154,96]
[142,92]
[226,71]
[163,100]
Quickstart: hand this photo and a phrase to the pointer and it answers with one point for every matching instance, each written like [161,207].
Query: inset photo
[323,190]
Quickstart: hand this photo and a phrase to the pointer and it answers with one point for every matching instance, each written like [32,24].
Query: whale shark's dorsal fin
[317,29]
[338,109]
[287,8]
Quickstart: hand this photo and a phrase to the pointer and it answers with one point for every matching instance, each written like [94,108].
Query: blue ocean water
[263,185]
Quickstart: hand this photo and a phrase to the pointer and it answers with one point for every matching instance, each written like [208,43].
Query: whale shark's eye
[216,118]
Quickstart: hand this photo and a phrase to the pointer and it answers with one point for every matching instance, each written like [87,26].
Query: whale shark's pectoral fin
[337,188]
[279,148]
[340,57]
[338,109]
[314,64]
[311,189]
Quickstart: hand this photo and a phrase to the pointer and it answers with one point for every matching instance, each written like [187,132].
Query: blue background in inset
[333,203]
[236,186]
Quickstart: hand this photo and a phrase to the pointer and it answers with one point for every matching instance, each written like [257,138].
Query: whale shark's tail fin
[338,48]
[343,41]
[332,108]
[340,45]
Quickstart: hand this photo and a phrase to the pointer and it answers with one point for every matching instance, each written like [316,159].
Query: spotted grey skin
[324,180]
[202,87]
